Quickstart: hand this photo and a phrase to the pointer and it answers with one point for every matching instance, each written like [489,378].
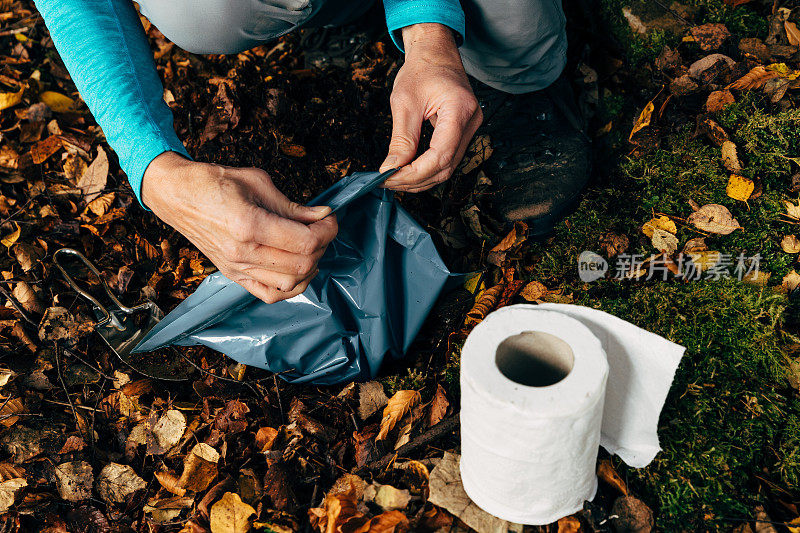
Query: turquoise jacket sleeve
[402,13]
[105,49]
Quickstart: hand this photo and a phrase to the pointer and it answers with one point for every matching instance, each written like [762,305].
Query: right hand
[254,234]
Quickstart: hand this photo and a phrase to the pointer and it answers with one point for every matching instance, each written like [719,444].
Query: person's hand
[431,85]
[238,218]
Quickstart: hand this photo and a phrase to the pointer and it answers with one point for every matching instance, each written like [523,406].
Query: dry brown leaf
[606,472]
[231,515]
[292,150]
[485,303]
[388,522]
[517,236]
[94,179]
[101,204]
[569,524]
[74,167]
[199,468]
[739,187]
[45,148]
[533,291]
[730,160]
[790,244]
[479,150]
[337,508]
[792,33]
[719,100]
[74,480]
[371,399]
[265,438]
[27,298]
[116,482]
[710,36]
[8,490]
[664,241]
[754,79]
[791,280]
[714,218]
[398,406]
[169,481]
[643,120]
[438,407]
[792,210]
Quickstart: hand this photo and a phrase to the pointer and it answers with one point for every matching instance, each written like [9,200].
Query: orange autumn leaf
[399,404]
[484,304]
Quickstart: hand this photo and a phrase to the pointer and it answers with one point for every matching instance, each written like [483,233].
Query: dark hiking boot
[340,45]
[541,157]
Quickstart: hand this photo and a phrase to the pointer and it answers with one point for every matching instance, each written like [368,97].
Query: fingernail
[389,163]
[320,209]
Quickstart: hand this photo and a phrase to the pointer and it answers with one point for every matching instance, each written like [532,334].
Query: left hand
[431,85]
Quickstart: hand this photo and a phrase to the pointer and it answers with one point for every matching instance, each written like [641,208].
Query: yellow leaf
[231,515]
[794,525]
[12,237]
[781,69]
[790,244]
[398,406]
[663,222]
[644,118]
[474,283]
[606,472]
[739,187]
[705,259]
[58,102]
[10,99]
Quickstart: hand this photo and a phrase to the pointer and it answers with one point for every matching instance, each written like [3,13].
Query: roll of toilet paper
[535,407]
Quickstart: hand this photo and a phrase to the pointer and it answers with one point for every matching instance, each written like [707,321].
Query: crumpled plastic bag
[377,282]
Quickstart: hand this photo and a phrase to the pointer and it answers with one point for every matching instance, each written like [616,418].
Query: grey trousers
[515,46]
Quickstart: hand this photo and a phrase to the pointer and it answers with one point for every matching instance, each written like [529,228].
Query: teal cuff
[402,13]
[139,159]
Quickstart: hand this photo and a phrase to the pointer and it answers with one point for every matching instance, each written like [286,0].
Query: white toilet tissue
[541,387]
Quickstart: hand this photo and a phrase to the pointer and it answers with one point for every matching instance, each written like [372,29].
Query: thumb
[277,202]
[406,125]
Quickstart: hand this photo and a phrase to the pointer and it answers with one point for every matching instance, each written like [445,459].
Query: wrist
[160,170]
[428,35]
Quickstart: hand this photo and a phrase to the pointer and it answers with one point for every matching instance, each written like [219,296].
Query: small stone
[633,515]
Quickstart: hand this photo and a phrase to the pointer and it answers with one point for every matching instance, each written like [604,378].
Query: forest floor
[697,162]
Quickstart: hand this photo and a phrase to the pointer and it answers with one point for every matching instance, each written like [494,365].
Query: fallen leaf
[730,160]
[447,491]
[100,205]
[292,150]
[390,498]
[663,222]
[569,524]
[710,36]
[719,100]
[792,210]
[791,281]
[265,438]
[10,100]
[792,33]
[337,508]
[479,150]
[790,244]
[607,472]
[167,432]
[533,291]
[74,480]
[517,236]
[164,510]
[714,218]
[397,406]
[199,468]
[739,187]
[27,298]
[388,522]
[94,179]
[484,304]
[664,241]
[438,407]
[43,149]
[371,399]
[9,240]
[643,120]
[116,482]
[58,102]
[712,130]
[754,79]
[224,114]
[705,259]
[231,515]
[8,491]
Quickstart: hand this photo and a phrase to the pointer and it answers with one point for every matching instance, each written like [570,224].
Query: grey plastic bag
[377,282]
